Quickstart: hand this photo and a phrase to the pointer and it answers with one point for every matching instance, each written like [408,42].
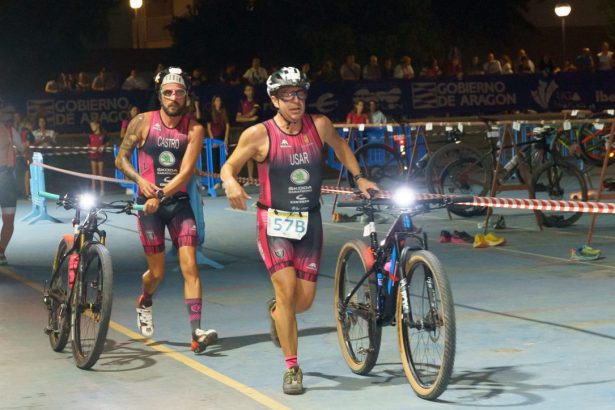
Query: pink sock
[291,361]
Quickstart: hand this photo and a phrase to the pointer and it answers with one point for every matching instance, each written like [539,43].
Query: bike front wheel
[358,332]
[426,324]
[559,180]
[92,307]
[56,298]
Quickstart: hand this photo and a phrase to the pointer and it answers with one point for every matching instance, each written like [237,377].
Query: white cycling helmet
[286,77]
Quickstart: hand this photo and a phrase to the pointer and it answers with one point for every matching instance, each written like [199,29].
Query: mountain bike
[78,295]
[396,282]
[592,139]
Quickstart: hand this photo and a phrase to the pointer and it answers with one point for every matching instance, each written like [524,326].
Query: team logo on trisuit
[300,176]
[166,158]
[279,253]
[284,144]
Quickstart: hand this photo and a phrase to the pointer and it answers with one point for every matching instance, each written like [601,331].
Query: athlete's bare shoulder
[196,127]
[137,130]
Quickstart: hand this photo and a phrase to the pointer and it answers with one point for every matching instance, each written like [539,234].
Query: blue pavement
[534,329]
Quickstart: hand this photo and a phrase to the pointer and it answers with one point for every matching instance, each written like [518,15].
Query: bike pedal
[47,330]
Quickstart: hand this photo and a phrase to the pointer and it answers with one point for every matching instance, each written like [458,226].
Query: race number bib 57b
[291,225]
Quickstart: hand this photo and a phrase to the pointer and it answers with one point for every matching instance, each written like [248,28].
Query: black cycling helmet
[286,77]
[172,75]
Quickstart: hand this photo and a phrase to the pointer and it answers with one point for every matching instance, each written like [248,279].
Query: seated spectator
[404,70]
[431,69]
[569,67]
[53,86]
[327,74]
[134,82]
[585,61]
[375,115]
[371,71]
[475,67]
[506,64]
[454,68]
[350,70]
[230,75]
[256,74]
[492,65]
[103,82]
[524,64]
[44,137]
[83,84]
[387,69]
[198,77]
[357,115]
[547,66]
[605,58]
[67,82]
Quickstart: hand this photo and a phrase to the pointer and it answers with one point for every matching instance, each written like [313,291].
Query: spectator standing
[54,86]
[134,82]
[357,115]
[103,82]
[27,139]
[256,74]
[375,115]
[133,111]
[43,137]
[431,69]
[350,70]
[605,58]
[9,142]
[492,65]
[454,68]
[404,70]
[218,127]
[97,143]
[248,114]
[371,70]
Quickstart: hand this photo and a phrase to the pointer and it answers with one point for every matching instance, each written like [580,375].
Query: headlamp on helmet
[286,77]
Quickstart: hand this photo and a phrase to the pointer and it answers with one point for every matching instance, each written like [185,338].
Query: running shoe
[587,250]
[145,319]
[576,255]
[445,237]
[479,241]
[461,237]
[3,260]
[273,333]
[493,240]
[293,381]
[202,338]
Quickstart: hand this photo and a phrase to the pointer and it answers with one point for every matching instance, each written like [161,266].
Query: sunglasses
[289,95]
[179,93]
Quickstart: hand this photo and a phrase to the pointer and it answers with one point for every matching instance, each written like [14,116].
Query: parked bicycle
[592,138]
[396,282]
[542,162]
[78,295]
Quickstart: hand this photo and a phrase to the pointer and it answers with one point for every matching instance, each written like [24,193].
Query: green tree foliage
[41,37]
[295,31]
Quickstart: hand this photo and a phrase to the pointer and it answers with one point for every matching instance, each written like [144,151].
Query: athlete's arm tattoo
[130,141]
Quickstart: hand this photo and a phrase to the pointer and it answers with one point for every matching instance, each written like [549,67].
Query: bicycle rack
[37,184]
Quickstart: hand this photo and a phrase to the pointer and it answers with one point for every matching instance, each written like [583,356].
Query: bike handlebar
[444,200]
[55,197]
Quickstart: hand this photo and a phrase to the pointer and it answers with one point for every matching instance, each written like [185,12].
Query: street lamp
[562,10]
[136,5]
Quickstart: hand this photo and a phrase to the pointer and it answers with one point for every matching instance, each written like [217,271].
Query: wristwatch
[160,195]
[359,176]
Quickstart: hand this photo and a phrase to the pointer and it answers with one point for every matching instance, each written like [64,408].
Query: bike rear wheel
[56,298]
[426,324]
[358,333]
[592,140]
[443,157]
[381,164]
[559,180]
[92,310]
[466,176]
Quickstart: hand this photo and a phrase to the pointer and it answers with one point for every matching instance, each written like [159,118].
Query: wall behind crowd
[401,100]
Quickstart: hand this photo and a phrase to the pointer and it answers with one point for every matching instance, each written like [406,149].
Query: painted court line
[173,354]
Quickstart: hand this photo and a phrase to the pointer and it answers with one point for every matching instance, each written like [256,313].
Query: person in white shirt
[43,137]
[255,74]
[605,58]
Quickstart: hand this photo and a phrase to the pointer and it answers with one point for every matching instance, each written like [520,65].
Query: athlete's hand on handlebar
[367,187]
[151,206]
[148,189]
[236,195]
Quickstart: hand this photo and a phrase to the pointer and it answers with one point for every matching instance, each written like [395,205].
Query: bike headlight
[404,197]
[87,201]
